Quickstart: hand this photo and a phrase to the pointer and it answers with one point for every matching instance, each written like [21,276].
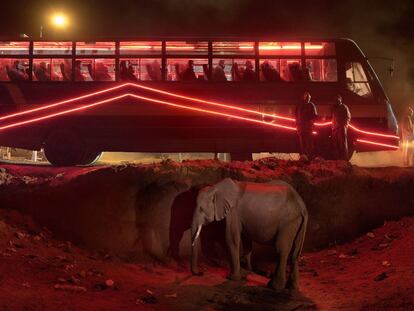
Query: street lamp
[57,20]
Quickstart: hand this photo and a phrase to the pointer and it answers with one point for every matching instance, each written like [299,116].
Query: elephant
[266,213]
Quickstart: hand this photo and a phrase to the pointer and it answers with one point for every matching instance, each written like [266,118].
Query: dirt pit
[101,238]
[136,211]
[39,272]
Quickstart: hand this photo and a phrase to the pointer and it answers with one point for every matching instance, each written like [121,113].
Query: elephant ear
[226,196]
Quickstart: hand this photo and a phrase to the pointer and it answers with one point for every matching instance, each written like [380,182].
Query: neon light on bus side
[186,98]
[149,100]
[168,104]
[377,144]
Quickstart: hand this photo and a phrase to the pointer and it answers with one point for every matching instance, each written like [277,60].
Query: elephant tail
[300,235]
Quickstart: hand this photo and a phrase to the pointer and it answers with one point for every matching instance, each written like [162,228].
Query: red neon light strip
[360,131]
[378,144]
[62,102]
[372,133]
[209,102]
[62,112]
[323,124]
[187,98]
[146,99]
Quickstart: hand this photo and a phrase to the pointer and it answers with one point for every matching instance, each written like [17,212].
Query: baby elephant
[271,214]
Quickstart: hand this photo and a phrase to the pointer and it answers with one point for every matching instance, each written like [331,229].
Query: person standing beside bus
[407,133]
[340,121]
[305,116]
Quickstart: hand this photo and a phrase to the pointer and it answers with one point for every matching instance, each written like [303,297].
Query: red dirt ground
[374,272]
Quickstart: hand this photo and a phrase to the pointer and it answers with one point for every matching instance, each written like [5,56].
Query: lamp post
[57,20]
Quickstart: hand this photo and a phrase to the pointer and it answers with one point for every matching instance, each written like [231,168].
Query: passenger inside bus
[249,74]
[295,72]
[17,72]
[78,71]
[218,73]
[188,74]
[101,72]
[269,73]
[65,69]
[307,75]
[131,73]
[123,71]
[126,73]
[154,70]
[235,72]
[42,72]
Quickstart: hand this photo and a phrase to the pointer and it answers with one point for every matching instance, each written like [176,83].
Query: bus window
[140,47]
[270,70]
[95,69]
[95,48]
[356,79]
[182,47]
[233,48]
[52,48]
[14,48]
[52,69]
[280,48]
[320,49]
[143,69]
[291,70]
[324,70]
[187,69]
[13,69]
[243,70]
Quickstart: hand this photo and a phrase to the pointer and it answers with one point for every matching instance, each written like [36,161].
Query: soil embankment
[128,209]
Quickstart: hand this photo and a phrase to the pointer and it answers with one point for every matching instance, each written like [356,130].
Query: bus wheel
[63,148]
[90,157]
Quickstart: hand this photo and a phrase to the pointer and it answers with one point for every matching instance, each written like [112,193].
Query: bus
[76,99]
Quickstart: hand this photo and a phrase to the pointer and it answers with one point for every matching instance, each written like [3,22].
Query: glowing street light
[59,20]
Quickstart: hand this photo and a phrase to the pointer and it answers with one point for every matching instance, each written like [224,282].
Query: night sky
[381,28]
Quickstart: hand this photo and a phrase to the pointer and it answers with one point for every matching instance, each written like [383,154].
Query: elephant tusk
[196,235]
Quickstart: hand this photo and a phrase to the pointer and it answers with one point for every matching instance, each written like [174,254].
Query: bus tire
[90,157]
[63,148]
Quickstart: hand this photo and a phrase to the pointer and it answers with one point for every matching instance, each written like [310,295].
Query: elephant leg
[247,252]
[293,281]
[233,243]
[283,245]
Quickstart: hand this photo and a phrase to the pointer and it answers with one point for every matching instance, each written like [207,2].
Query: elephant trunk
[195,234]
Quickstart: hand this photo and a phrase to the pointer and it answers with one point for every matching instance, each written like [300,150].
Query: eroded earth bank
[67,231]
